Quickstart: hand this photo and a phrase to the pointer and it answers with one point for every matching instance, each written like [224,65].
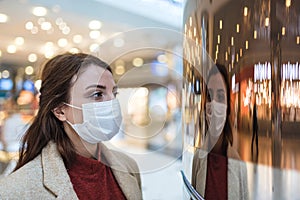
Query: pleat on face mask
[216,117]
[101,121]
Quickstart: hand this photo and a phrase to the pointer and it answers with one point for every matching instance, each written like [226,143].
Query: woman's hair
[227,137]
[57,79]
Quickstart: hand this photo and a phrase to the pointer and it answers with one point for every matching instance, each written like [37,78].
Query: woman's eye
[221,98]
[97,95]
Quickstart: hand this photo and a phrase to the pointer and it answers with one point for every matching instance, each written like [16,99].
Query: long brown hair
[56,76]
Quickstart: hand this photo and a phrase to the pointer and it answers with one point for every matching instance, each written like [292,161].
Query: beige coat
[236,177]
[46,177]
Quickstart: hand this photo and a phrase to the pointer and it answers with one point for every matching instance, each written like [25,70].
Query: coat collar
[124,174]
[56,177]
[57,180]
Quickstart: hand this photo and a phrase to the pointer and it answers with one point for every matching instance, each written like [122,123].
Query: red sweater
[216,178]
[92,179]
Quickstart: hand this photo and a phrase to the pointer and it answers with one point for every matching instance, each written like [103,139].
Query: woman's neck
[218,147]
[82,147]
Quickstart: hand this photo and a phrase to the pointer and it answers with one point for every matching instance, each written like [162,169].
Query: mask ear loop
[72,106]
[97,152]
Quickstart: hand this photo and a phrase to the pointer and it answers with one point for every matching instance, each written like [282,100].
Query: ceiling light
[5,74]
[255,34]
[62,42]
[232,41]
[191,21]
[267,21]
[221,24]
[19,41]
[120,69]
[66,30]
[162,58]
[94,47]
[283,31]
[219,39]
[245,11]
[46,26]
[39,11]
[48,49]
[29,70]
[74,50]
[246,44]
[237,28]
[77,39]
[32,57]
[298,39]
[94,34]
[29,25]
[3,18]
[138,62]
[11,49]
[95,24]
[288,3]
[49,53]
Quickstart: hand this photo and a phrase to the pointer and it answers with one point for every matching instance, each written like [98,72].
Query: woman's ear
[59,113]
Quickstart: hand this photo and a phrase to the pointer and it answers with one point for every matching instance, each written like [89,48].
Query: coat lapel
[56,178]
[125,178]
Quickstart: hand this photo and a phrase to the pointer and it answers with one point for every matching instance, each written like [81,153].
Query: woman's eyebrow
[220,90]
[96,86]
[100,87]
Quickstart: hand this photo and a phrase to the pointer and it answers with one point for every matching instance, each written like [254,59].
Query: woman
[214,175]
[62,155]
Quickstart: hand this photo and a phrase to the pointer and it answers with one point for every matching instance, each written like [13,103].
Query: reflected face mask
[216,117]
[101,121]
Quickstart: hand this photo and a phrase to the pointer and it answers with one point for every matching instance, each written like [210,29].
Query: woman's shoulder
[25,177]
[118,159]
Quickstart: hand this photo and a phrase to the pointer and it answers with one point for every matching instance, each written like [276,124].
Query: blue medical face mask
[101,121]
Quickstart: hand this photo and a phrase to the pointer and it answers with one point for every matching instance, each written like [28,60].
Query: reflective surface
[259,44]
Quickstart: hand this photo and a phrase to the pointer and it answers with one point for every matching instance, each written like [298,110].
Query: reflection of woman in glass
[214,175]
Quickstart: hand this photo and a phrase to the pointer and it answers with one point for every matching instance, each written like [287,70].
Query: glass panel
[258,44]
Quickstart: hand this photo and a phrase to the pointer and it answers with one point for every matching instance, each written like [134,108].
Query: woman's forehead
[216,81]
[94,74]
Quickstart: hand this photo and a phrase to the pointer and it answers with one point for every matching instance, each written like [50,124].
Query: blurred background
[141,40]
[159,50]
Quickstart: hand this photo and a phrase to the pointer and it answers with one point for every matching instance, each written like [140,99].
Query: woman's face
[93,84]
[216,90]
